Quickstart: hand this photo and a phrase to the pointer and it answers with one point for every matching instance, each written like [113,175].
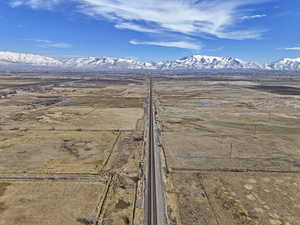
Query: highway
[155,210]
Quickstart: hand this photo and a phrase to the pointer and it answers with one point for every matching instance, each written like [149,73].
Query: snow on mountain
[286,64]
[22,61]
[106,63]
[19,61]
[8,58]
[198,62]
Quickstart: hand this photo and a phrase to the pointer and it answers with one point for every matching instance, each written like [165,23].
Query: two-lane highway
[155,210]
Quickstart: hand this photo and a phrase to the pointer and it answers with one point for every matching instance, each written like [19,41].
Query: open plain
[73,147]
[231,148]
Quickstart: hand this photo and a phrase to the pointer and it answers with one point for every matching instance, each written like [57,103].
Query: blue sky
[256,30]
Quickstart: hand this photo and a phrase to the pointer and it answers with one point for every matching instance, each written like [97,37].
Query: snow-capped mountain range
[23,61]
[199,62]
[286,64]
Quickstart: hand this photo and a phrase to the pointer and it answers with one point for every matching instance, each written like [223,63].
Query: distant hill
[23,61]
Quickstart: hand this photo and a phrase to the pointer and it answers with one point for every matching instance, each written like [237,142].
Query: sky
[260,31]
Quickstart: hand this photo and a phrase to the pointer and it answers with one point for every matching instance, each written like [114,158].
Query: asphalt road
[155,210]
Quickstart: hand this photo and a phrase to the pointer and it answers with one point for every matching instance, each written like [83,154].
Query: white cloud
[135,27]
[213,17]
[36,3]
[188,17]
[292,48]
[52,44]
[16,3]
[242,35]
[214,49]
[253,16]
[177,44]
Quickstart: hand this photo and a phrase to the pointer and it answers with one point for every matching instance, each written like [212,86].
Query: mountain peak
[199,57]
[21,61]
[292,64]
[7,57]
[198,62]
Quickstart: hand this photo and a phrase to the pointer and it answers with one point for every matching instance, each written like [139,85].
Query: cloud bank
[52,44]
[292,48]
[35,4]
[183,18]
[253,16]
[177,44]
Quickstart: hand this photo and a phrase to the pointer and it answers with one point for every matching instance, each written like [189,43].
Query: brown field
[54,152]
[75,118]
[27,203]
[70,149]
[232,150]
[237,198]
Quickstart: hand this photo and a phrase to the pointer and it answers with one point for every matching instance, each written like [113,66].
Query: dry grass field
[243,198]
[54,152]
[27,203]
[232,148]
[70,148]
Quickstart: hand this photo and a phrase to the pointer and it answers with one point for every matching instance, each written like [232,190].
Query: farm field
[59,202]
[71,149]
[231,149]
